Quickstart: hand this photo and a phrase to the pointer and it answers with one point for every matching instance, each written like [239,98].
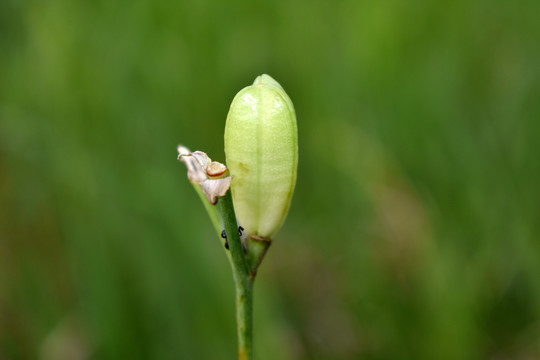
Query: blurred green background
[414,230]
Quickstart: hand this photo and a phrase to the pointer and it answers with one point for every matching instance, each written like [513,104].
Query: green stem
[244,317]
[228,216]
[243,278]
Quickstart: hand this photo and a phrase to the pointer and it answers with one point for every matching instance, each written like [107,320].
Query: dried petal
[206,173]
[202,158]
[216,169]
[196,172]
[216,188]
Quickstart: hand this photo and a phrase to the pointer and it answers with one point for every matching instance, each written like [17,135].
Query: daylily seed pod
[261,147]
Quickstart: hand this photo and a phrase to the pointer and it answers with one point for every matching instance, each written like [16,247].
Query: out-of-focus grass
[414,231]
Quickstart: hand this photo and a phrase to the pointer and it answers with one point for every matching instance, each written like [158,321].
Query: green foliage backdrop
[414,231]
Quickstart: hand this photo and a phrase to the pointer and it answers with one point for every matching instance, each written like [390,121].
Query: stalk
[243,278]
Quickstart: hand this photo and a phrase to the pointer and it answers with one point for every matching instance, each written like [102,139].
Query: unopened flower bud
[261,147]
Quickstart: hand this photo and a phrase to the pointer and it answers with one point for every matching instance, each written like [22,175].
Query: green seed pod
[261,147]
